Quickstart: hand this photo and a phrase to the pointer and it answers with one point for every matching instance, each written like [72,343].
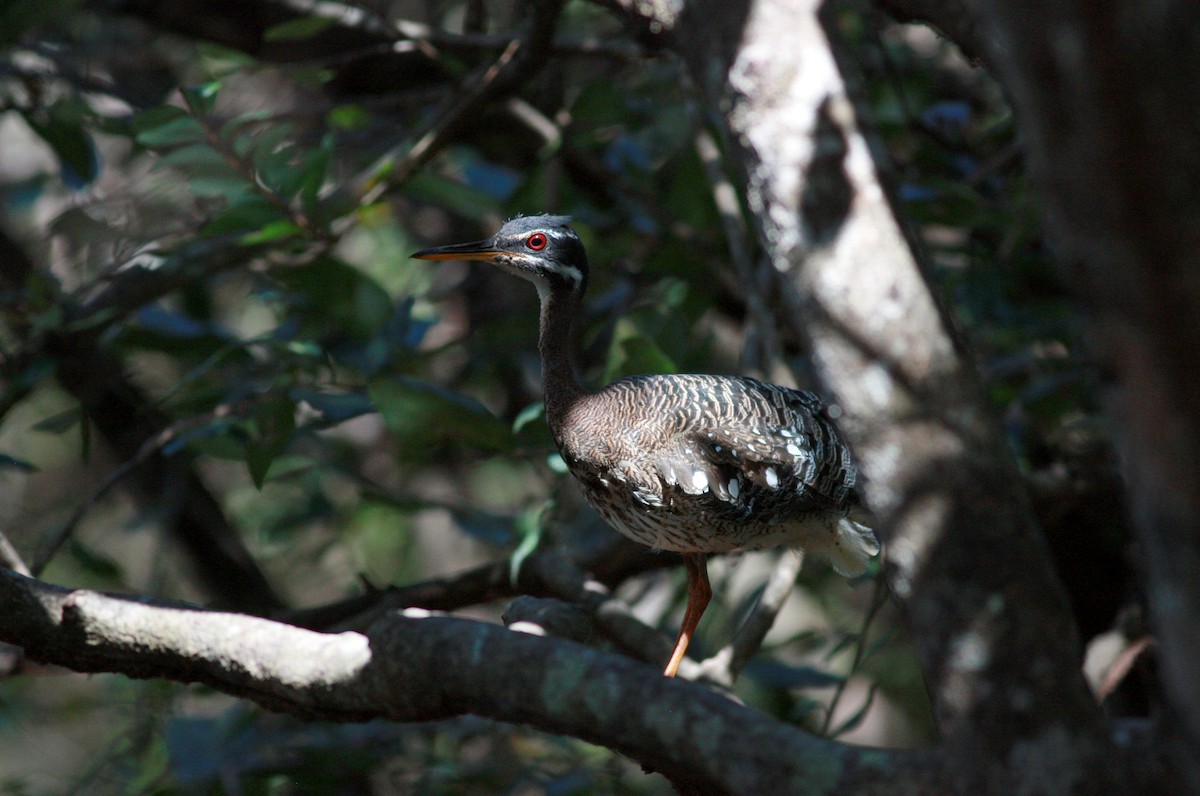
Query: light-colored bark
[417,666]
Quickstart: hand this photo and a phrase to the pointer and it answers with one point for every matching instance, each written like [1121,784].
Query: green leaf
[243,119]
[20,465]
[299,28]
[288,170]
[780,675]
[530,527]
[312,173]
[279,168]
[224,438]
[425,417]
[338,296]
[266,143]
[274,425]
[462,199]
[350,118]
[222,60]
[247,213]
[92,562]
[846,641]
[231,187]
[37,371]
[196,158]
[180,130]
[156,117]
[527,415]
[276,230]
[61,422]
[203,98]
[632,353]
[63,131]
[334,407]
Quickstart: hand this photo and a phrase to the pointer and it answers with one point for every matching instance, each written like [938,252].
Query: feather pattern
[715,463]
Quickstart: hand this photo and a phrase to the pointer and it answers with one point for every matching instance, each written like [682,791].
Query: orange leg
[699,593]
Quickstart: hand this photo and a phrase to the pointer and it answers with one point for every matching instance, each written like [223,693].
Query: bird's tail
[855,544]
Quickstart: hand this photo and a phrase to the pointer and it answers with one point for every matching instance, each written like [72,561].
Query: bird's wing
[743,437]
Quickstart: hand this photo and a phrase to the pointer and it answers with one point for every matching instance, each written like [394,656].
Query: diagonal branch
[727,664]
[516,64]
[420,667]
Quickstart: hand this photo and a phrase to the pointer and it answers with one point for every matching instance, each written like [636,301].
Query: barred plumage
[690,463]
[712,463]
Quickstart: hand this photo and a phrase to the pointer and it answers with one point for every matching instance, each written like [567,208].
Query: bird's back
[714,463]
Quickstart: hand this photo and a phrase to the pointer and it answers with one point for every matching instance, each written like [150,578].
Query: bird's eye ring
[536,241]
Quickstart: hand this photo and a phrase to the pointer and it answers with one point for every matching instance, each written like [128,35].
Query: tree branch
[610,563]
[956,20]
[519,60]
[697,738]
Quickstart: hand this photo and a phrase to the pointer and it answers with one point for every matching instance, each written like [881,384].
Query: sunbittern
[694,464]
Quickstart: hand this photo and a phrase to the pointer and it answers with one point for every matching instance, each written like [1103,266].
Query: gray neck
[560,385]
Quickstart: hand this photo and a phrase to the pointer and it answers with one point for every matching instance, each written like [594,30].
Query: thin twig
[749,638]
[10,558]
[519,58]
[400,162]
[727,664]
[563,579]
[762,343]
[582,581]
[148,448]
[878,598]
[12,657]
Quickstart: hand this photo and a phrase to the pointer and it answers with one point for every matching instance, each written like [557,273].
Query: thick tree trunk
[1107,97]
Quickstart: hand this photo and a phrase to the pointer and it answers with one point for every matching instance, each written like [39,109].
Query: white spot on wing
[735,487]
[793,449]
[699,480]
[772,477]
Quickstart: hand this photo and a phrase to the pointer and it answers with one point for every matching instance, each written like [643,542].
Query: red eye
[536,241]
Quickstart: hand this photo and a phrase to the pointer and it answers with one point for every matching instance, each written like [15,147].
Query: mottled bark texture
[426,667]
[1108,101]
[995,638]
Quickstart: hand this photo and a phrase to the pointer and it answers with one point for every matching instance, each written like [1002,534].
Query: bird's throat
[560,385]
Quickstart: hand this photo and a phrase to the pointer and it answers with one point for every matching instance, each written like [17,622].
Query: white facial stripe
[565,271]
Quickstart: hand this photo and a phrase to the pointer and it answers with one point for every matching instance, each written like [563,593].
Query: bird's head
[542,249]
